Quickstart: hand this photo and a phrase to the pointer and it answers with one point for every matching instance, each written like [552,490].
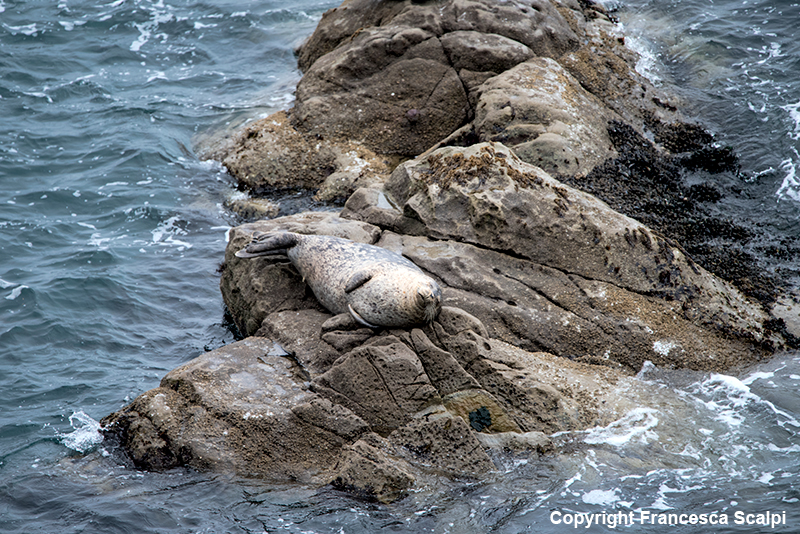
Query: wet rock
[270,154]
[252,208]
[370,473]
[517,442]
[481,410]
[242,409]
[654,192]
[444,444]
[371,423]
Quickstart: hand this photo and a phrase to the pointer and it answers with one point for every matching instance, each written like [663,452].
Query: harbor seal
[378,287]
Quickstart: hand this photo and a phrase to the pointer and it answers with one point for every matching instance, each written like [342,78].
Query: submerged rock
[252,208]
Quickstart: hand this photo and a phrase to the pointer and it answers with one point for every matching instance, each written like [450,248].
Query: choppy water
[111,231]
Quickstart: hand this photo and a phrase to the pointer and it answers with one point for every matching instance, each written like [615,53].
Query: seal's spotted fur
[376,286]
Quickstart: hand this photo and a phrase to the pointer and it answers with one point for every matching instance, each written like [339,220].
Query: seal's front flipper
[356,281]
[259,254]
[268,244]
[358,318]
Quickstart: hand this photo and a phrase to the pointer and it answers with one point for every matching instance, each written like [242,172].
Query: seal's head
[429,300]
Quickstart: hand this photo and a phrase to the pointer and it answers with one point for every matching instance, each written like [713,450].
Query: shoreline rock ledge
[447,127]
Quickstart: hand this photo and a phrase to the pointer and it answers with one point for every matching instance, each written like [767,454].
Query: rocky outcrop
[544,267]
[552,299]
[398,406]
[385,79]
[400,81]
[544,323]
[271,155]
[539,111]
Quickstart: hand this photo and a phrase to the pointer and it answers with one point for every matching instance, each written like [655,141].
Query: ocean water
[111,232]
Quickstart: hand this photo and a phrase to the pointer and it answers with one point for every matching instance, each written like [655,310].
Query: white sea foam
[16,292]
[164,234]
[756,376]
[637,425]
[774,51]
[728,397]
[790,188]
[157,76]
[601,497]
[97,240]
[70,25]
[28,29]
[86,434]
[794,114]
[146,29]
[648,63]
[791,184]
[647,367]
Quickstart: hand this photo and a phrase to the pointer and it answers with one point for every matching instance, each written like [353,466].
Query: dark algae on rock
[649,185]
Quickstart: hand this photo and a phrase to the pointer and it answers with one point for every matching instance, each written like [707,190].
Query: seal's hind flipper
[268,244]
[357,280]
[358,318]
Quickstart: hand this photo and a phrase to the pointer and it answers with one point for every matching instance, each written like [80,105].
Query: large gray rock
[396,80]
[535,24]
[389,88]
[270,154]
[483,52]
[545,117]
[386,80]
[373,420]
[242,409]
[547,267]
